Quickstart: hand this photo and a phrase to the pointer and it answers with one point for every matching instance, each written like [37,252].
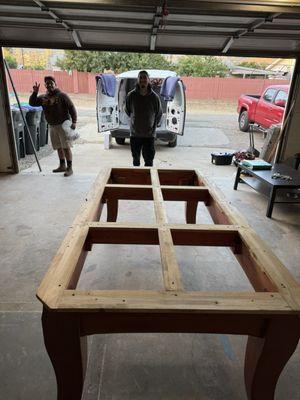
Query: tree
[97,61]
[9,57]
[34,59]
[253,64]
[30,58]
[11,62]
[201,66]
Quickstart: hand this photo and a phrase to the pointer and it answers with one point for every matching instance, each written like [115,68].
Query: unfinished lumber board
[199,302]
[92,207]
[170,268]
[160,211]
[65,267]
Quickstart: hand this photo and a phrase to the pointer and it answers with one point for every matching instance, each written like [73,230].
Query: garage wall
[8,158]
[291,144]
[5,158]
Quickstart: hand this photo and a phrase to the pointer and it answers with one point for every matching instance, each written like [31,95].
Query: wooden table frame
[269,315]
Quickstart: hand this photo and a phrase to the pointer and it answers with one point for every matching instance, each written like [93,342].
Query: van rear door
[107,105]
[176,108]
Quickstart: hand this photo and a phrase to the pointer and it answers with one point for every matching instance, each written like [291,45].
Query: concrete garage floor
[36,211]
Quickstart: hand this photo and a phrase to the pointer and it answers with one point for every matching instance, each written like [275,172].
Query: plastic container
[43,130]
[107,140]
[33,119]
[19,131]
[221,158]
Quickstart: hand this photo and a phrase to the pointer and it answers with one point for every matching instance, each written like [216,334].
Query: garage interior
[38,208]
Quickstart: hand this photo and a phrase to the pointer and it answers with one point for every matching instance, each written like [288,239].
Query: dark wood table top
[283,169]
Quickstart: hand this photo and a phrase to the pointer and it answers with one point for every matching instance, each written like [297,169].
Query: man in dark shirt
[144,109]
[58,108]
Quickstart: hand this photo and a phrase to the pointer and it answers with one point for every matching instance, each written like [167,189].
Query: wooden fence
[196,88]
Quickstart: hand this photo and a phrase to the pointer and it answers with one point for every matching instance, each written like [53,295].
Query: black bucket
[221,158]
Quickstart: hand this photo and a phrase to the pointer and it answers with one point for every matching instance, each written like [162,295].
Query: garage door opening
[219,28]
[227,98]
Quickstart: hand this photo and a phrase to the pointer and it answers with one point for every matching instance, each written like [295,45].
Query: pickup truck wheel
[244,121]
[173,143]
[120,140]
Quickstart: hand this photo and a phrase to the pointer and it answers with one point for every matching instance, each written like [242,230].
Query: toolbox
[221,158]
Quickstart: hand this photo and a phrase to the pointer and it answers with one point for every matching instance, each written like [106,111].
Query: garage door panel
[194,42]
[274,44]
[209,27]
[114,38]
[38,36]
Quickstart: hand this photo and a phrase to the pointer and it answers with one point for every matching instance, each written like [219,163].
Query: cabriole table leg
[67,352]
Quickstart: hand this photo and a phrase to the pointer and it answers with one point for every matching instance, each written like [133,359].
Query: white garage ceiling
[218,27]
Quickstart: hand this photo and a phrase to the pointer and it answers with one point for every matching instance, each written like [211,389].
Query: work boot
[61,168]
[69,171]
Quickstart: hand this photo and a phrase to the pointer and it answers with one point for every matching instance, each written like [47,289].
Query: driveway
[206,131]
[209,127]
[213,130]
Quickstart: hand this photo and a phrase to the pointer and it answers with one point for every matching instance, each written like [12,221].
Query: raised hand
[36,87]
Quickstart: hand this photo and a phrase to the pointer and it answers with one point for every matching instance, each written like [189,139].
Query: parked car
[112,117]
[265,110]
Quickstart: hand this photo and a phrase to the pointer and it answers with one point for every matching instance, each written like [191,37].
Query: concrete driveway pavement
[203,129]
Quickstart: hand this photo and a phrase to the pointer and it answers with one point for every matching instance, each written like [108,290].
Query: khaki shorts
[58,138]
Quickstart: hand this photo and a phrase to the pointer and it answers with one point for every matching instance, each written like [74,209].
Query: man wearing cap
[58,107]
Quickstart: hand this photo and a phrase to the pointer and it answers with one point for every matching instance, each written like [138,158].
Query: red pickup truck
[265,110]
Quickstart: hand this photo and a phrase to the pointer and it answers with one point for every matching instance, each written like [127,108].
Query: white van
[112,117]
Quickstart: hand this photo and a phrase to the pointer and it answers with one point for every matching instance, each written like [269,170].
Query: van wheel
[173,143]
[244,121]
[120,140]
